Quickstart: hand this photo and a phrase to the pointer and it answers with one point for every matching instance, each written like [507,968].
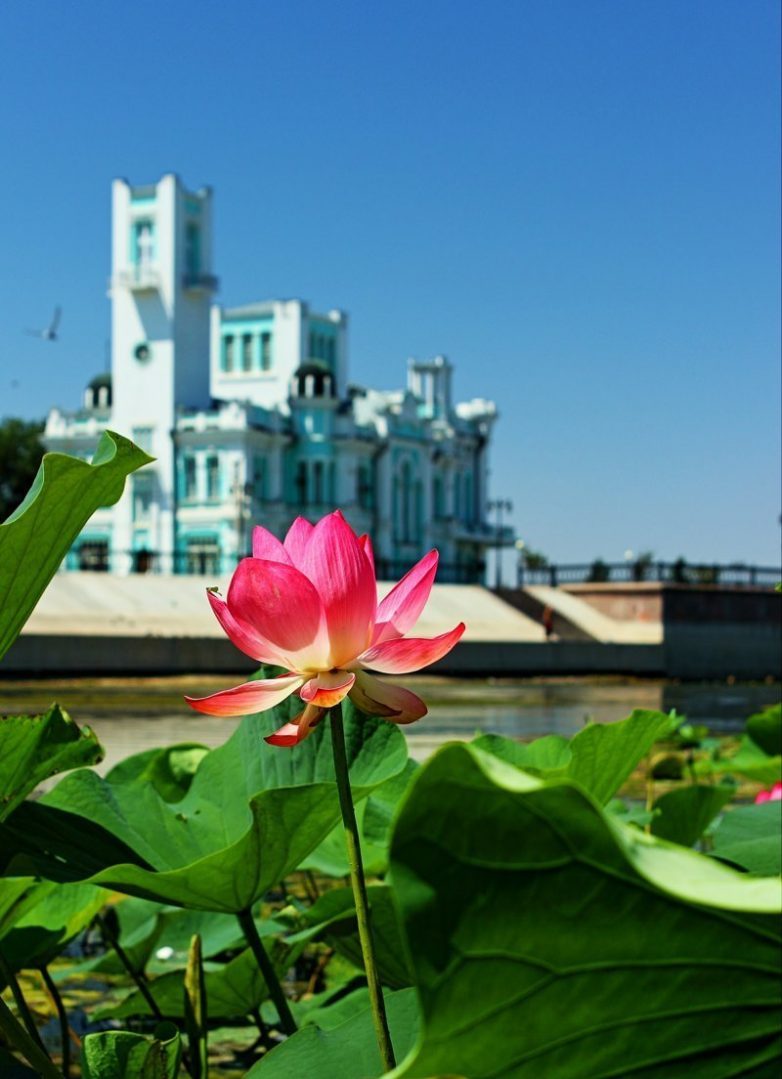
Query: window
[332,351]
[190,489]
[266,351]
[437,498]
[247,352]
[202,555]
[301,483]
[259,479]
[228,352]
[317,473]
[192,250]
[94,556]
[213,477]
[364,487]
[142,243]
[311,349]
[142,436]
[406,494]
[143,491]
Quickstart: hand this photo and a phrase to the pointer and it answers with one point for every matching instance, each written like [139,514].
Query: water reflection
[130,715]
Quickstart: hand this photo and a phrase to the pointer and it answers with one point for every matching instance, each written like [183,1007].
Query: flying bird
[50,333]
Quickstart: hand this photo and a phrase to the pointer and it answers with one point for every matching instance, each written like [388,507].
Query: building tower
[161,291]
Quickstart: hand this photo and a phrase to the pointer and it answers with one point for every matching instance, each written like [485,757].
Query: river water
[133,714]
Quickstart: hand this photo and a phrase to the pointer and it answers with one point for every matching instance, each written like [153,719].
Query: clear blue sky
[575,200]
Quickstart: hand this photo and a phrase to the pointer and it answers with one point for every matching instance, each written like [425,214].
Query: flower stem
[62,1018]
[17,1036]
[251,935]
[360,889]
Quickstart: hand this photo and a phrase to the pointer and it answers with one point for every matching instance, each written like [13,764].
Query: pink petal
[268,547]
[290,734]
[366,543]
[245,637]
[327,688]
[336,564]
[378,698]
[284,608]
[406,654]
[299,535]
[401,608]
[248,698]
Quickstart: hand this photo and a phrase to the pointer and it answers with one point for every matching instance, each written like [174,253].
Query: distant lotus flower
[310,605]
[772,795]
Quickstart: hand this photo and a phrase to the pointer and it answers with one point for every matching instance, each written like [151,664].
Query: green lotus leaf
[36,537]
[251,815]
[751,837]
[600,757]
[46,926]
[683,815]
[765,730]
[345,1050]
[147,928]
[233,989]
[333,917]
[118,1054]
[169,770]
[33,748]
[17,895]
[374,816]
[749,760]
[550,939]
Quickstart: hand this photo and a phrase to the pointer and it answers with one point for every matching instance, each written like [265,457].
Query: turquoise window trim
[136,226]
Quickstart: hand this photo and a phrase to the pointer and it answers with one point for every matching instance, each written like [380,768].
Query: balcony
[143,278]
[200,282]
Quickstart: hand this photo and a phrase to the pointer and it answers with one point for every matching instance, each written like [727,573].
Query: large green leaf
[605,754]
[61,913]
[751,837]
[749,760]
[600,757]
[118,1054]
[550,939]
[765,730]
[36,537]
[374,817]
[169,770]
[333,917]
[33,748]
[157,937]
[347,1050]
[18,895]
[233,989]
[252,814]
[684,814]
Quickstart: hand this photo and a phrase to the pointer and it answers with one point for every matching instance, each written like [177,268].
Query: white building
[251,418]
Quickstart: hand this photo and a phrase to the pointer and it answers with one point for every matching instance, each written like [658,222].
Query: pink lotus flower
[310,605]
[772,795]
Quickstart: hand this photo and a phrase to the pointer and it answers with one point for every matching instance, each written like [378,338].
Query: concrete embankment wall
[91,624]
[96,655]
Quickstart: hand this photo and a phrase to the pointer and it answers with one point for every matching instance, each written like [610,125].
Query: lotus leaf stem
[62,1017]
[287,1022]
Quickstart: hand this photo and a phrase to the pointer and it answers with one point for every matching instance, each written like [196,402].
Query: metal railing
[98,558]
[680,572]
